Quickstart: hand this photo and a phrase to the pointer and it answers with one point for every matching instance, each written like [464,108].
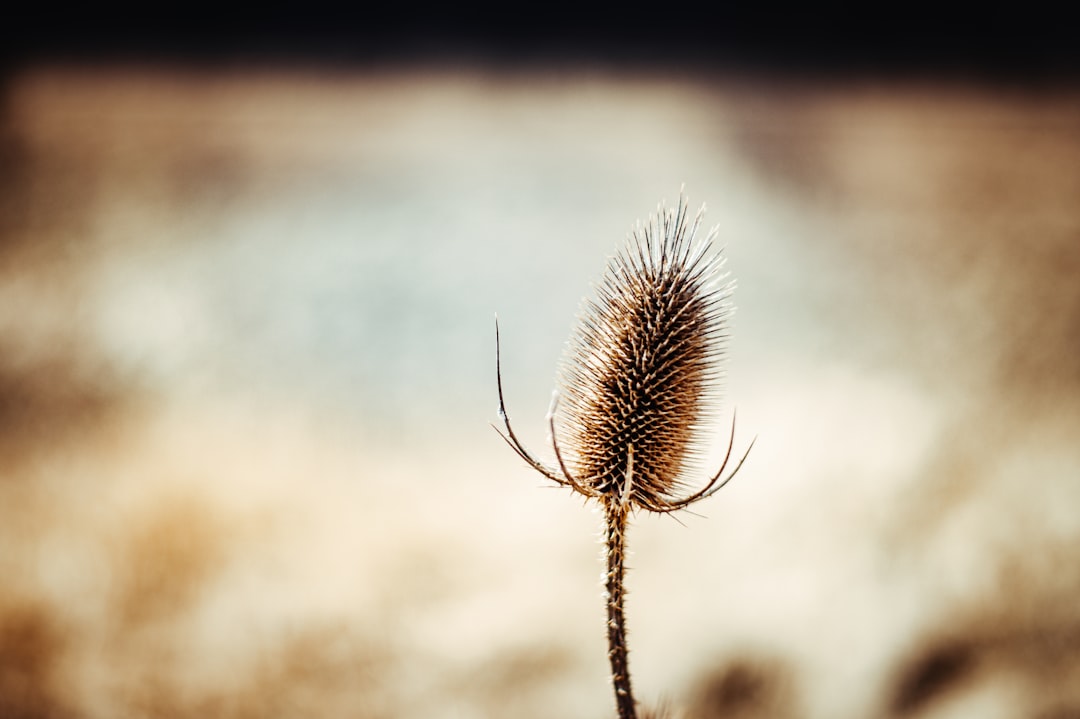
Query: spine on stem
[615,514]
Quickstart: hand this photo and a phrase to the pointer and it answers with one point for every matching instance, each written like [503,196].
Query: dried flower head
[638,377]
[642,371]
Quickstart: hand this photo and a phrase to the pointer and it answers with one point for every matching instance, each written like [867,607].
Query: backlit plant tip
[636,389]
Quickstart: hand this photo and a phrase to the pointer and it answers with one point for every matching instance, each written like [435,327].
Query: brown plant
[635,386]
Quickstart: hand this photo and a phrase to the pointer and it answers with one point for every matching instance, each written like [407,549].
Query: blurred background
[248,278]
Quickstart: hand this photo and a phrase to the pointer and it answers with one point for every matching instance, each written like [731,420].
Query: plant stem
[615,514]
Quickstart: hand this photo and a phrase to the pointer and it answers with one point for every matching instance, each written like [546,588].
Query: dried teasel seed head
[637,382]
[641,373]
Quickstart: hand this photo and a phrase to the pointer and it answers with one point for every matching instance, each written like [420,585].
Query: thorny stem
[615,514]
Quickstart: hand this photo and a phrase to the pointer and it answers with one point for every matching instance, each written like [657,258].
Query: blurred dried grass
[244,376]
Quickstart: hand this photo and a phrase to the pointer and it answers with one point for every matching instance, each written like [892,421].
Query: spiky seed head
[641,372]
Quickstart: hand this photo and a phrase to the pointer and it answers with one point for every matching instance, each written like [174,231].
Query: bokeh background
[248,284]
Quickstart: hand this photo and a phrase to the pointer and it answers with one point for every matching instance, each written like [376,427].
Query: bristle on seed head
[641,373]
